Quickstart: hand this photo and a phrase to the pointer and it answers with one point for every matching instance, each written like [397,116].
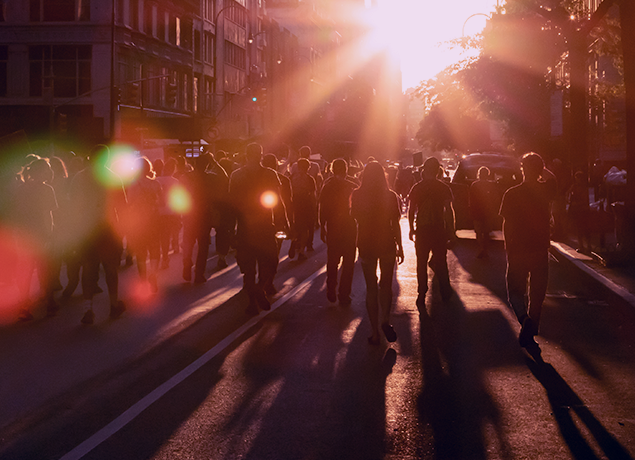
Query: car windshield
[503,168]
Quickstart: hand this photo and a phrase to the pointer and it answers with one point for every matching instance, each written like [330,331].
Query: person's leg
[204,240]
[189,239]
[386,270]
[538,280]
[440,267]
[246,259]
[332,263]
[369,268]
[347,270]
[517,275]
[267,259]
[110,254]
[422,248]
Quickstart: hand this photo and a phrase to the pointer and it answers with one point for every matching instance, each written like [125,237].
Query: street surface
[188,374]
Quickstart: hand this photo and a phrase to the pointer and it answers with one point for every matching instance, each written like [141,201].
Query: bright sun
[413,31]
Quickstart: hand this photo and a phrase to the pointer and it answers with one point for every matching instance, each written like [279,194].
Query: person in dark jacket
[339,231]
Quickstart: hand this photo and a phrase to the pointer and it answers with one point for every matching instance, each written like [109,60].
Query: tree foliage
[522,61]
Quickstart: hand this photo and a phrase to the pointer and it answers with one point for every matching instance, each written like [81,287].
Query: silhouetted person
[526,210]
[255,194]
[61,243]
[145,197]
[431,219]
[315,172]
[223,220]
[484,205]
[270,161]
[98,198]
[170,220]
[198,221]
[35,204]
[339,231]
[304,207]
[579,213]
[376,209]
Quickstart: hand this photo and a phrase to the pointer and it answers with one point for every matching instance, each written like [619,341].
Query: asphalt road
[301,382]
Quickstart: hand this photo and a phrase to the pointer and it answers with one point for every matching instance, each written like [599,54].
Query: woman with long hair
[376,209]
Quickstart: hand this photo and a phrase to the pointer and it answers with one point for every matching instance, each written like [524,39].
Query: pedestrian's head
[169,168]
[303,165]
[201,162]
[374,176]
[431,168]
[305,152]
[532,165]
[38,171]
[483,173]
[145,168]
[339,167]
[253,153]
[270,161]
[99,153]
[580,178]
[158,165]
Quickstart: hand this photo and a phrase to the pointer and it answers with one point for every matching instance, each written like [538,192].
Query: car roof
[490,159]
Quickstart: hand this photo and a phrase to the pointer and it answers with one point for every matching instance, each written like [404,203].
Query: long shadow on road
[457,346]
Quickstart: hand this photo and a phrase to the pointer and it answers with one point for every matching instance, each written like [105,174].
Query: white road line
[130,414]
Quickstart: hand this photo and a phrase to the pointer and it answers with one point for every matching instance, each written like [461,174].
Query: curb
[564,252]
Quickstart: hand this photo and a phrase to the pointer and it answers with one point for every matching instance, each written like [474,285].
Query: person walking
[526,212]
[254,192]
[145,197]
[338,231]
[304,208]
[484,205]
[431,219]
[98,198]
[376,209]
[198,221]
[35,204]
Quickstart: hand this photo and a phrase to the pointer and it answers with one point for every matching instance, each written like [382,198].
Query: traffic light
[170,94]
[263,97]
[117,95]
[132,94]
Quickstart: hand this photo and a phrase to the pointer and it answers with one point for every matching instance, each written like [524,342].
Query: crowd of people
[78,215]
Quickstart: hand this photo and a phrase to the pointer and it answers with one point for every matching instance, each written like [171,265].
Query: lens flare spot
[123,162]
[269,199]
[179,200]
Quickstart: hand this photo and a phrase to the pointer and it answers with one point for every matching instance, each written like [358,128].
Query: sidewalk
[618,280]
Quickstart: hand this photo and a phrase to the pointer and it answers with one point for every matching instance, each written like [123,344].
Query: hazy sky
[414,29]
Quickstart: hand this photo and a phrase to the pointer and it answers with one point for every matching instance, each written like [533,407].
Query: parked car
[504,169]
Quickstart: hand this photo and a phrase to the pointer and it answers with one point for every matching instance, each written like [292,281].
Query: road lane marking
[136,409]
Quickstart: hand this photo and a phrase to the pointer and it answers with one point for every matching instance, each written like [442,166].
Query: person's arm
[412,213]
[396,226]
[450,223]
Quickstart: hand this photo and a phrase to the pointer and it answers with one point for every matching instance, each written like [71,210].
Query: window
[197,45]
[59,10]
[208,9]
[66,68]
[173,30]
[208,48]
[134,14]
[161,24]
[147,17]
[185,34]
[208,93]
[235,55]
[236,13]
[3,10]
[4,57]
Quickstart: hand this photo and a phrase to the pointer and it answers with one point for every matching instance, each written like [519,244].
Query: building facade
[77,72]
